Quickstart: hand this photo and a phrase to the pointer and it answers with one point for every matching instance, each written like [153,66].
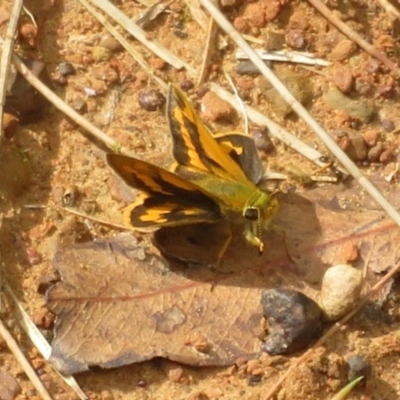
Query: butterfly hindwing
[242,149]
[166,198]
[193,144]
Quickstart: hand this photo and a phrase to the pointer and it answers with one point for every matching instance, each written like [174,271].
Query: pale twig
[253,39]
[345,29]
[128,47]
[302,112]
[30,15]
[151,13]
[389,8]
[139,34]
[40,341]
[64,107]
[274,129]
[209,50]
[98,220]
[197,13]
[4,73]
[6,55]
[285,56]
[240,102]
[19,355]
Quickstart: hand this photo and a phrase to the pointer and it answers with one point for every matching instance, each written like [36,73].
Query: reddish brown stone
[254,15]
[349,252]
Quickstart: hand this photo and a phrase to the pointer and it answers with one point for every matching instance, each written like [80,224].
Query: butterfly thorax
[239,202]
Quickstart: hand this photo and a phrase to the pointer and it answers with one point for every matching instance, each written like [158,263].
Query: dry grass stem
[354,36]
[209,50]
[6,52]
[390,8]
[26,366]
[302,112]
[285,56]
[137,56]
[139,34]
[274,129]
[40,343]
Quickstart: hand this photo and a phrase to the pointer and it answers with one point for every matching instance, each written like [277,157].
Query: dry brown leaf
[118,304]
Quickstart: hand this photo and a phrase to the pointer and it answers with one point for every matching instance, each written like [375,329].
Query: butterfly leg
[252,234]
[224,247]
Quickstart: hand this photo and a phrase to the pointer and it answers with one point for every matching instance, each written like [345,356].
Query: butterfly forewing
[166,198]
[193,144]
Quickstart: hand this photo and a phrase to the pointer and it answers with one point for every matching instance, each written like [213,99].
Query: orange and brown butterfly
[214,179]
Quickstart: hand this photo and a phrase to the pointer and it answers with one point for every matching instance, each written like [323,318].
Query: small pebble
[142,383]
[295,38]
[390,171]
[343,80]
[101,53]
[180,34]
[151,100]
[262,140]
[386,156]
[355,109]
[300,86]
[294,320]
[254,15]
[246,67]
[272,9]
[387,91]
[274,39]
[187,84]
[47,381]
[375,152]
[33,256]
[349,252]
[340,291]
[37,363]
[371,137]
[358,366]
[343,50]
[9,386]
[65,68]
[298,20]
[28,32]
[69,196]
[173,370]
[10,125]
[373,66]
[254,367]
[157,63]
[79,105]
[241,25]
[112,44]
[245,83]
[214,108]
[254,379]
[387,125]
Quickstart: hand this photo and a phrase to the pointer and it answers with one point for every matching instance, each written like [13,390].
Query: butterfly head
[259,210]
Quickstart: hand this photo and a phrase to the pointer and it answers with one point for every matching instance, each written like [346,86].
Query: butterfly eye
[252,213]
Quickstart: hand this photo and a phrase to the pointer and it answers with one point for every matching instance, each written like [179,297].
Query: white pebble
[340,291]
